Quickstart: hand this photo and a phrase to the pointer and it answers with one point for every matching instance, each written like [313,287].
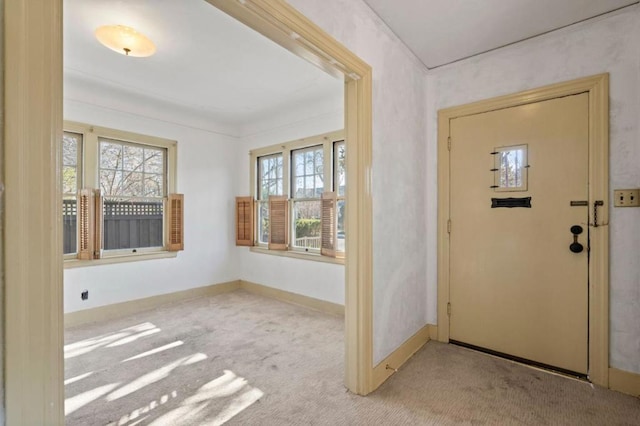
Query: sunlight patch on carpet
[156,350]
[76,402]
[126,335]
[154,376]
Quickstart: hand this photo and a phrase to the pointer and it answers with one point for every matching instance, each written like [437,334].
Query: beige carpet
[246,360]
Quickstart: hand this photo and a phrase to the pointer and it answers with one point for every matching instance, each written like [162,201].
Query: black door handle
[576,247]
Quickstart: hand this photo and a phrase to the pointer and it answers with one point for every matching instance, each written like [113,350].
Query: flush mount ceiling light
[125,40]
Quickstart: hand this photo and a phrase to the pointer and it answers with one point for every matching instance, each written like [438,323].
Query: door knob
[576,247]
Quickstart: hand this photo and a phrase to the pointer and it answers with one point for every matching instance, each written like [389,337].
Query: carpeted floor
[247,360]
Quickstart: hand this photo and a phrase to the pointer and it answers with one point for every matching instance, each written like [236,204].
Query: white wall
[206,175]
[319,280]
[399,150]
[610,44]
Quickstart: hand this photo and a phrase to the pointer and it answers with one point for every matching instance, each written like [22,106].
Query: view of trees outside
[339,153]
[308,186]
[131,171]
[270,177]
[71,154]
[511,165]
[71,146]
[340,182]
[132,182]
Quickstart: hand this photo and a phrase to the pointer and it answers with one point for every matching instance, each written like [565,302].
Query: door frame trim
[32,65]
[598,89]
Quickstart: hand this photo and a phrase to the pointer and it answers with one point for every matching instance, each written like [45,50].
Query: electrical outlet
[84,295]
[626,198]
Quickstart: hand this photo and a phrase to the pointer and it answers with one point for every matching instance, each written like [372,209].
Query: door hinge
[449,143]
[449,226]
[449,308]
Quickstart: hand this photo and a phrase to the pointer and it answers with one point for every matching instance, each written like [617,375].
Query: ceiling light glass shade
[125,40]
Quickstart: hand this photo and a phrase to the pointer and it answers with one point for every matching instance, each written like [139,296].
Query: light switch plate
[626,198]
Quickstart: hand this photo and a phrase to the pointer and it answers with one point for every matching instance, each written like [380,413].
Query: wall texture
[207,178]
[608,44]
[399,151]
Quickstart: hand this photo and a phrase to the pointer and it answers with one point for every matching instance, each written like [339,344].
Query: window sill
[299,255]
[109,260]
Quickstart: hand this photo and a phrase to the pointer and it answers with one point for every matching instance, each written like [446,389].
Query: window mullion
[327,165]
[91,158]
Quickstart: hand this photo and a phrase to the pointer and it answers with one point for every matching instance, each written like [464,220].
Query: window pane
[69,179]
[308,173]
[340,237]
[307,224]
[69,224]
[70,148]
[308,163]
[133,158]
[110,155]
[339,155]
[132,170]
[71,166]
[263,222]
[511,168]
[269,176]
[153,185]
[309,185]
[153,161]
[132,224]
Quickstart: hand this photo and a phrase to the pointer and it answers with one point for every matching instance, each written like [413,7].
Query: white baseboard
[296,299]
[117,310]
[393,362]
[624,381]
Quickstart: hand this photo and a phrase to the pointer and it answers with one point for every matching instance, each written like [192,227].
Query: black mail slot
[511,202]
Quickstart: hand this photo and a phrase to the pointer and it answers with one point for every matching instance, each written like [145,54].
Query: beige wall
[606,44]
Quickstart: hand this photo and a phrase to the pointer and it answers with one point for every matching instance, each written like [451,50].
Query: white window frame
[327,141]
[90,167]
[293,199]
[257,241]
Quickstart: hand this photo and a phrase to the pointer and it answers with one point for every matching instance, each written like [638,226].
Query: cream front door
[518,276]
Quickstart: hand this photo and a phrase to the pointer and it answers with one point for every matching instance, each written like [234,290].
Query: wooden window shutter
[278,222]
[86,219]
[328,225]
[244,221]
[90,220]
[98,224]
[175,222]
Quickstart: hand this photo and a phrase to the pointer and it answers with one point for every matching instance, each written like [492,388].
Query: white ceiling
[205,60]
[444,31]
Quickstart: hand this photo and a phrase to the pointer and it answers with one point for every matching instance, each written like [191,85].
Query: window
[116,188]
[270,182]
[307,188]
[339,187]
[71,179]
[132,182]
[306,173]
[510,170]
